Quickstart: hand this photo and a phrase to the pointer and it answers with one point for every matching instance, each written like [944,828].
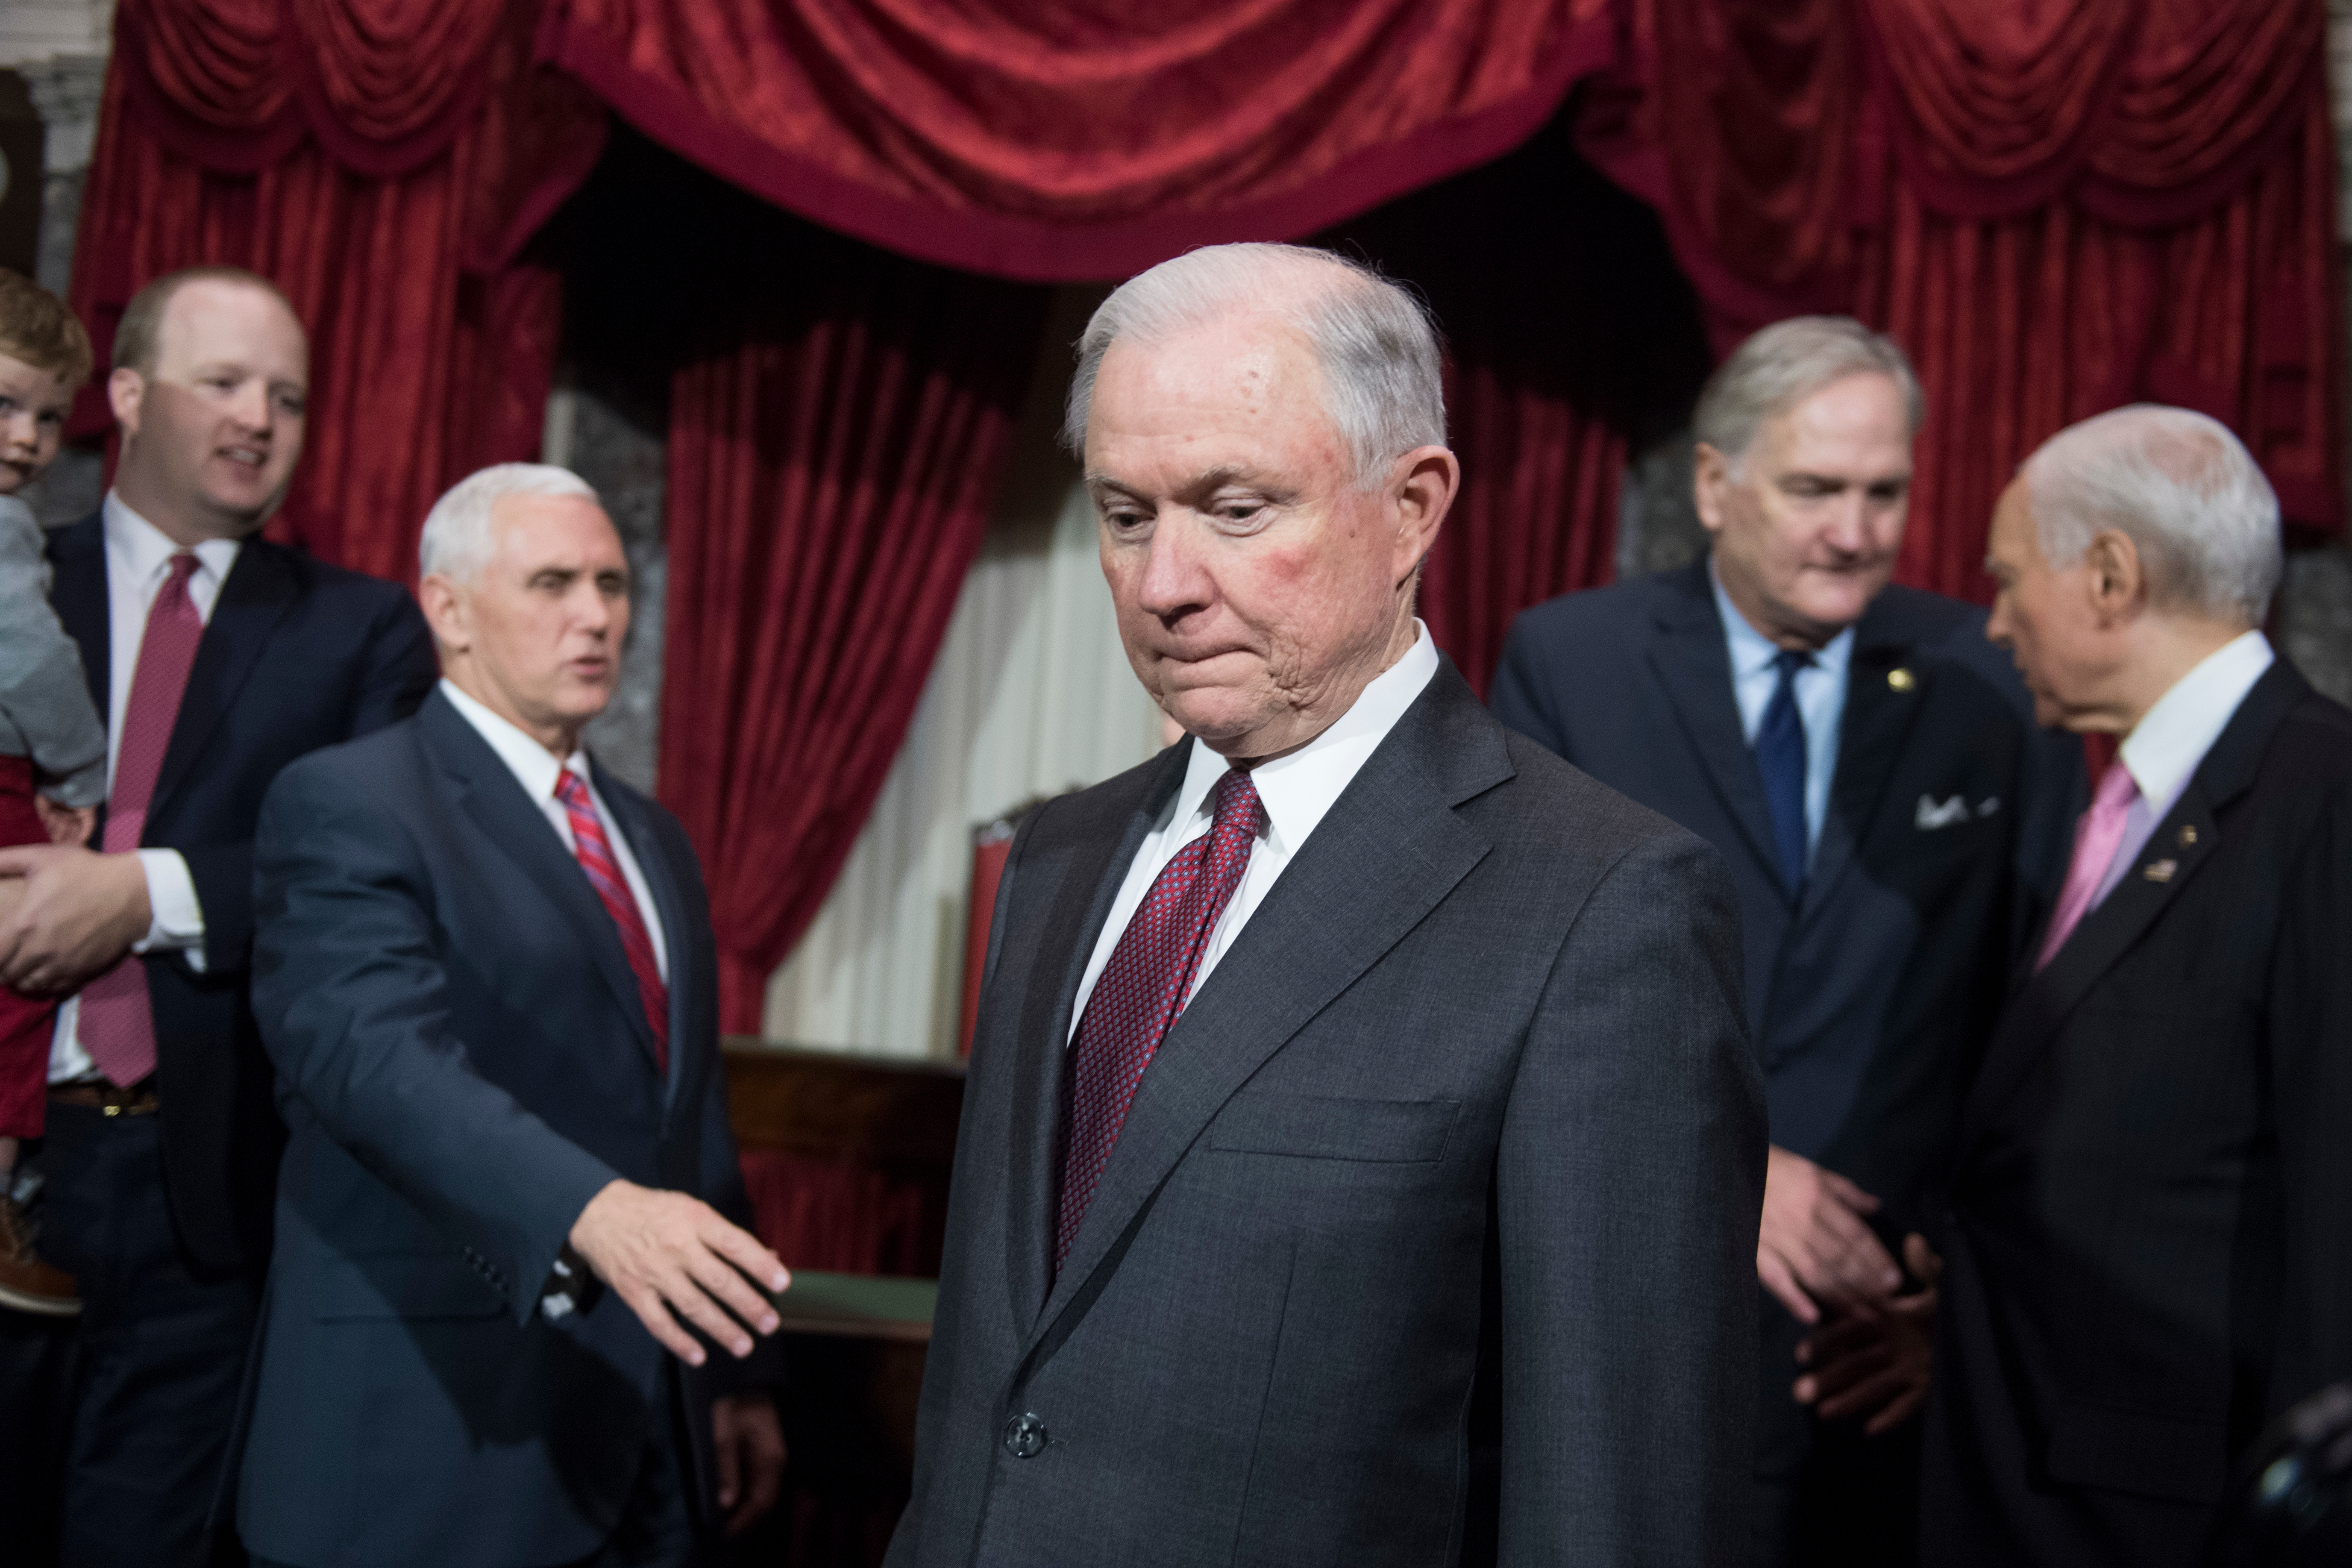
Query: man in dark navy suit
[1895,826]
[219,657]
[484,970]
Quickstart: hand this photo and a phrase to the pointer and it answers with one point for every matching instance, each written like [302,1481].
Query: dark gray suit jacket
[463,1063]
[1431,1231]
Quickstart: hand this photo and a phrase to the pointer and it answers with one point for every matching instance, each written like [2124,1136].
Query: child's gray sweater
[45,710]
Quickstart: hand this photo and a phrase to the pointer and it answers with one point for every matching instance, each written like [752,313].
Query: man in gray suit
[1362,1156]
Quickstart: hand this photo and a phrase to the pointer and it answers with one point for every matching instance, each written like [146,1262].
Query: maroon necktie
[118,1022]
[1142,991]
[595,852]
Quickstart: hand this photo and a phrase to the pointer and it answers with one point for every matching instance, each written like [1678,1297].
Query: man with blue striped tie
[510,1222]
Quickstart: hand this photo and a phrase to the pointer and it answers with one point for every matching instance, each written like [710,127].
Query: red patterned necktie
[118,1022]
[1142,991]
[595,852]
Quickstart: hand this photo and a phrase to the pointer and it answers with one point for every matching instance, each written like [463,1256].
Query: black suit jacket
[464,1063]
[2150,1247]
[297,655]
[1431,1231]
[1871,996]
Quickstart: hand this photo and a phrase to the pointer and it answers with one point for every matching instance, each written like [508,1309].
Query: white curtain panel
[1030,695]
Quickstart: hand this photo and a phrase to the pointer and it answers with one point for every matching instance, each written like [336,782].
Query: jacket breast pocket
[1324,1126]
[402,1285]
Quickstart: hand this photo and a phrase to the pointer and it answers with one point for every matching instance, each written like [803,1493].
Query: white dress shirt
[536,769]
[1296,790]
[2164,748]
[1821,698]
[137,562]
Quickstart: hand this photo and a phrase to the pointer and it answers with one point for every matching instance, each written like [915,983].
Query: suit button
[1024,1437]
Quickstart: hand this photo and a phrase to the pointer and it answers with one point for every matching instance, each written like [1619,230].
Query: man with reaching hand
[510,1227]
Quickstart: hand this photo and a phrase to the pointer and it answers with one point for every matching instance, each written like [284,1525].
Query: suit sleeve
[1521,694]
[1629,1184]
[397,668]
[351,1001]
[2310,1026]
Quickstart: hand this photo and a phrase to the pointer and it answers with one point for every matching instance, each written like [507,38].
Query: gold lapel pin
[2188,836]
[2161,870]
[1900,679]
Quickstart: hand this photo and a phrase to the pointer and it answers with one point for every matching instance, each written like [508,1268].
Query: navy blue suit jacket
[297,655]
[1869,996]
[464,1062]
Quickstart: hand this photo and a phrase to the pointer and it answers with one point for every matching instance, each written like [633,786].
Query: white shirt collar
[1298,788]
[1752,652]
[532,764]
[141,551]
[2172,737]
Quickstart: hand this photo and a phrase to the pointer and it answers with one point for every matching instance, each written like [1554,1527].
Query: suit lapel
[1693,664]
[1877,719]
[1389,851]
[514,822]
[78,593]
[2182,844]
[630,821]
[1087,861]
[260,588]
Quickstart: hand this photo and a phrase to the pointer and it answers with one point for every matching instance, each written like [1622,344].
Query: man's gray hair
[456,541]
[2186,492]
[1373,340]
[1786,362]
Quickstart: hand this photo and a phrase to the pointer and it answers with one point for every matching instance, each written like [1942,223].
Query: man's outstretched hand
[1815,1248]
[1877,1361]
[670,1256]
[750,1442]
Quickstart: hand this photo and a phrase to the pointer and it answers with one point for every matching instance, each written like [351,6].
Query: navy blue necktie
[1780,762]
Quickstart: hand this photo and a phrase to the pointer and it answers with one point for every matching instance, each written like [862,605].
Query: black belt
[96,1094]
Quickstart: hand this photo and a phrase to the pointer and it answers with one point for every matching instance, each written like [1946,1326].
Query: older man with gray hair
[1362,1154]
[510,1225]
[2150,1233]
[1870,771]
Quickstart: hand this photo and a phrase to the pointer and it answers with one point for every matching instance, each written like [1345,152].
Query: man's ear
[1429,478]
[126,390]
[2116,577]
[445,612]
[1710,478]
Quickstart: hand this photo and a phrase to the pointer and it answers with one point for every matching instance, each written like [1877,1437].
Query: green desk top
[867,1306]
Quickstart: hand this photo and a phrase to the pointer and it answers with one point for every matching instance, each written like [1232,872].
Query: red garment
[26,1023]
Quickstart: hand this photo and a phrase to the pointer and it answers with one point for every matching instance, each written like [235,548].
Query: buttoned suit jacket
[1870,996]
[1430,1233]
[2150,1249]
[464,1062]
[297,655]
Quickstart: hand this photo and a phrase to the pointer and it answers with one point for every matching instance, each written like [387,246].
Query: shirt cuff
[177,919]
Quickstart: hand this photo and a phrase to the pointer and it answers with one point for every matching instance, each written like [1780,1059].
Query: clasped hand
[1871,1350]
[669,1256]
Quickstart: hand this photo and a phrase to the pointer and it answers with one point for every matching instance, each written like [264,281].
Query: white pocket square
[1932,815]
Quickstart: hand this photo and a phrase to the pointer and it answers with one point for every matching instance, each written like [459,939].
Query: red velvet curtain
[381,165]
[830,474]
[2056,208]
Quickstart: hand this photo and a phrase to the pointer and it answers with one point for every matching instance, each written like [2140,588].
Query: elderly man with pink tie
[2146,1253]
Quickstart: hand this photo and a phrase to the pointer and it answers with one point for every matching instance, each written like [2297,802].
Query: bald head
[1371,343]
[2182,488]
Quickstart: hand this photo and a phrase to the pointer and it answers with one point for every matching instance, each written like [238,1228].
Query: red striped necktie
[118,1020]
[1143,989]
[595,852]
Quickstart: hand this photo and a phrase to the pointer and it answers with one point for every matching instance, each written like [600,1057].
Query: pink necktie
[2097,837]
[1142,991]
[117,1023]
[595,853]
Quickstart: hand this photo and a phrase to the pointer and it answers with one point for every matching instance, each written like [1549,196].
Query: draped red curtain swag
[2055,206]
